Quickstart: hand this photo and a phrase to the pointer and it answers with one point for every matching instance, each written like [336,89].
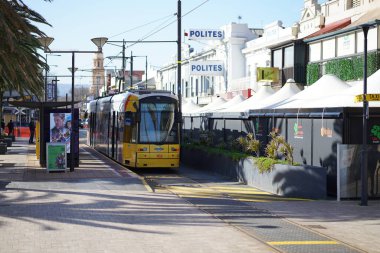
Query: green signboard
[56,157]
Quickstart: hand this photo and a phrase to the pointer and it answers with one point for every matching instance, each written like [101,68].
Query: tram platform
[20,168]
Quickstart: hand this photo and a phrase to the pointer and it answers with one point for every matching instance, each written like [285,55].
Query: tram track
[233,204]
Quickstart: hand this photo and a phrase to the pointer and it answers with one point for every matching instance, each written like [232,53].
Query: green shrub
[347,69]
[248,144]
[206,138]
[266,164]
[277,147]
[312,73]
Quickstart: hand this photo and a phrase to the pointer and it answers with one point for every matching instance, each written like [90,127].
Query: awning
[331,27]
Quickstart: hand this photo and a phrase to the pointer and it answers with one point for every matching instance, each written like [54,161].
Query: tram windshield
[157,123]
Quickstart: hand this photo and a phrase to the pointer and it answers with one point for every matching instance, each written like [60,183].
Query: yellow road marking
[303,243]
[238,193]
[252,194]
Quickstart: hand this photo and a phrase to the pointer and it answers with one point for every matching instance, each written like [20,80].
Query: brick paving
[101,209]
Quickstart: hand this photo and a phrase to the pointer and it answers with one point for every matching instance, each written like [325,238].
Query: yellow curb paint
[303,243]
[149,189]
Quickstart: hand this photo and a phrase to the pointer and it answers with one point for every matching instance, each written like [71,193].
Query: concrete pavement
[102,210]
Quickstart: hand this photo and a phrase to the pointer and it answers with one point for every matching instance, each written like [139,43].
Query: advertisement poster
[60,128]
[56,156]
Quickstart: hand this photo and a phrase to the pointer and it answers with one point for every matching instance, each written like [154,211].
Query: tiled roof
[331,27]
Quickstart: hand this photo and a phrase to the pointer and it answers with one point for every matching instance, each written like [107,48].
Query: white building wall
[229,51]
[257,53]
[335,10]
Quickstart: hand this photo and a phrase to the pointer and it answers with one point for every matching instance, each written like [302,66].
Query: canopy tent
[263,93]
[189,107]
[326,86]
[288,90]
[217,102]
[234,101]
[347,97]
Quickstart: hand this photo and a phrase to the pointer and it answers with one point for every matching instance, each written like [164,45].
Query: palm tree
[20,63]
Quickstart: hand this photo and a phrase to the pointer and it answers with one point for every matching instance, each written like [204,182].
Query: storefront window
[315,52]
[277,58]
[289,57]
[328,49]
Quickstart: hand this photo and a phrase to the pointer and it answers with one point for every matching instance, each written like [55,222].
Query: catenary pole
[179,77]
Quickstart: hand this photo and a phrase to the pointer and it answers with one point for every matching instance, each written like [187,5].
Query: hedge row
[347,69]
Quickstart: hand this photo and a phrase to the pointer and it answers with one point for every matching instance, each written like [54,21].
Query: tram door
[113,132]
[117,136]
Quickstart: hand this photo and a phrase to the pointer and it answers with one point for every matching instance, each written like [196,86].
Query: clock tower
[97,74]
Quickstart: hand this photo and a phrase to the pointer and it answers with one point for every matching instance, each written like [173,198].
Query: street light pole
[364,157]
[72,164]
[179,77]
[45,42]
[123,80]
[46,69]
[46,74]
[146,72]
[131,74]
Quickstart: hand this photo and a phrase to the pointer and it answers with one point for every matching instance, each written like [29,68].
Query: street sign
[369,97]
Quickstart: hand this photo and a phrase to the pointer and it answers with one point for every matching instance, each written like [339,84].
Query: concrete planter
[3,148]
[284,180]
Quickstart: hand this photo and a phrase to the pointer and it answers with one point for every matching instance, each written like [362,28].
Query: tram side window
[130,128]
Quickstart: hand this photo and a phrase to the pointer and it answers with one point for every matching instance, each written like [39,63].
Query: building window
[315,52]
[192,87]
[328,49]
[353,4]
[346,45]
[98,80]
[196,87]
[277,58]
[289,57]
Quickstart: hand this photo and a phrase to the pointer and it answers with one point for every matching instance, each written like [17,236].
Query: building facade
[203,88]
[324,32]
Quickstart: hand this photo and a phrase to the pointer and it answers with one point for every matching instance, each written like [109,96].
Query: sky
[75,22]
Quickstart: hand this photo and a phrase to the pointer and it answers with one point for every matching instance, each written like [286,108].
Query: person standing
[10,127]
[32,128]
[2,126]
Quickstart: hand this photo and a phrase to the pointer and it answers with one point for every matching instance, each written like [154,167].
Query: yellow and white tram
[138,128]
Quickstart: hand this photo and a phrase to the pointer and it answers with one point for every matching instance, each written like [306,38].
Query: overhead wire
[151,34]
[154,31]
[137,27]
